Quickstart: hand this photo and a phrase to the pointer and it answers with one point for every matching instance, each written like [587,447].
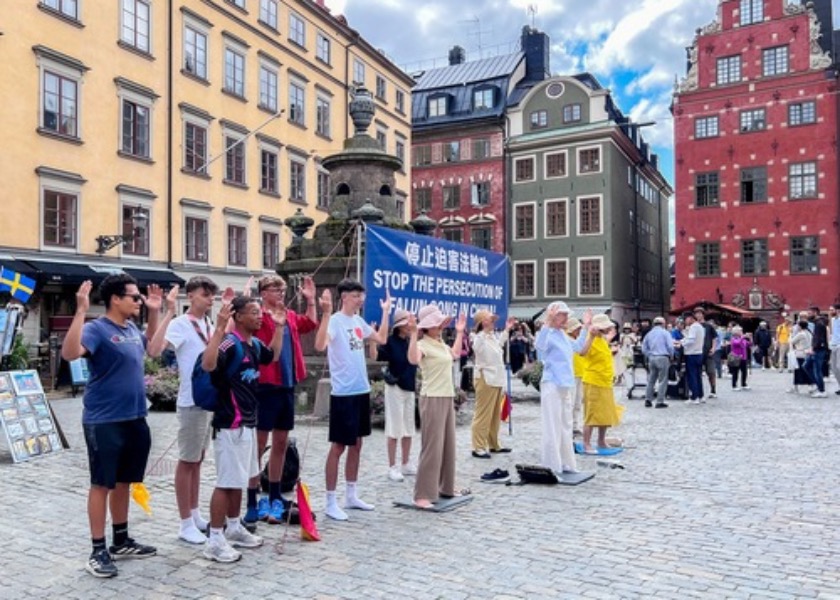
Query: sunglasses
[135,297]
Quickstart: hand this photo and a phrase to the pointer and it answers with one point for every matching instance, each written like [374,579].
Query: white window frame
[300,116]
[297,29]
[399,100]
[192,118]
[320,101]
[516,238]
[546,262]
[301,161]
[148,4]
[201,29]
[266,15]
[533,263]
[203,214]
[235,137]
[580,293]
[270,227]
[516,159]
[600,215]
[61,185]
[271,70]
[545,164]
[242,52]
[323,48]
[62,69]
[359,71]
[60,7]
[580,149]
[545,218]
[266,146]
[145,202]
[320,174]
[238,221]
[125,93]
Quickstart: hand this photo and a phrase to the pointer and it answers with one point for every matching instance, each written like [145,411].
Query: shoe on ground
[501,450]
[819,395]
[745,387]
[496,476]
[357,504]
[661,405]
[570,470]
[395,473]
[263,508]
[480,454]
[239,537]
[791,391]
[335,513]
[131,549]
[409,469]
[694,401]
[192,535]
[219,550]
[251,517]
[248,526]
[712,395]
[275,512]
[100,564]
[648,403]
[837,392]
[702,401]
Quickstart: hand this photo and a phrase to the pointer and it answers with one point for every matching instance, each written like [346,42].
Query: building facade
[756,133]
[170,144]
[588,205]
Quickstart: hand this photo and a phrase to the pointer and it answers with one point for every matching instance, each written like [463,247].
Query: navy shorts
[118,452]
[349,418]
[275,408]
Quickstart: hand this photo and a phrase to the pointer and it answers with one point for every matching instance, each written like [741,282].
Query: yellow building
[191,127]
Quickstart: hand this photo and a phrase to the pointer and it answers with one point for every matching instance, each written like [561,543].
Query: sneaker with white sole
[357,504]
[496,476]
[219,550]
[131,549]
[819,395]
[712,395]
[409,468]
[335,513]
[100,564]
[192,535]
[395,474]
[239,537]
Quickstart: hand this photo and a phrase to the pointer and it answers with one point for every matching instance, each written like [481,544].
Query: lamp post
[106,242]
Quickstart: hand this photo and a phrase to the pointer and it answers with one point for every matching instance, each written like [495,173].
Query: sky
[634,47]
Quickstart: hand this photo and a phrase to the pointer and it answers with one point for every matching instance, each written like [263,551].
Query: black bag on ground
[291,469]
[677,384]
[535,474]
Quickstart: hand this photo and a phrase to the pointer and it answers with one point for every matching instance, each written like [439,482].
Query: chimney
[457,56]
[535,44]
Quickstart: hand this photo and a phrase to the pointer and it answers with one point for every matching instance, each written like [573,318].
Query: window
[729,70]
[452,197]
[422,155]
[234,72]
[195,52]
[323,200]
[755,259]
[234,160]
[482,237]
[60,218]
[556,278]
[135,129]
[297,30]
[135,24]
[571,113]
[297,103]
[754,185]
[437,106]
[322,116]
[268,172]
[400,101]
[803,180]
[556,218]
[382,139]
[399,207]
[322,48]
[523,169]
[268,88]
[524,222]
[400,150]
[589,160]
[268,13]
[452,151]
[555,165]
[805,254]
[589,272]
[481,149]
[752,11]
[297,181]
[483,99]
[480,193]
[68,8]
[802,113]
[60,104]
[238,3]
[237,246]
[774,61]
[423,199]
[196,239]
[358,72]
[270,250]
[524,276]
[195,147]
[136,229]
[707,257]
[381,87]
[539,118]
[706,127]
[589,216]
[706,189]
[753,120]
[453,234]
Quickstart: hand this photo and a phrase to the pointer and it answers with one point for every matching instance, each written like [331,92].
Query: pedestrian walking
[815,361]
[692,345]
[801,342]
[738,359]
[658,348]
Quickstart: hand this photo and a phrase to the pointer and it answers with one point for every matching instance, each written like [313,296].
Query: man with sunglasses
[114,415]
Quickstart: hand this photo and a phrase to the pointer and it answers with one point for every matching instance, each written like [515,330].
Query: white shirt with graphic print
[346,353]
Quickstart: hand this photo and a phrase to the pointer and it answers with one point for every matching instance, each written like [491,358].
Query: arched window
[385,190]
[342,190]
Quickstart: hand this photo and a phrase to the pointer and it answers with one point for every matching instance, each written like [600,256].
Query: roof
[469,72]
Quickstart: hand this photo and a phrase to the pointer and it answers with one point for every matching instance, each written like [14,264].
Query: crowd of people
[254,358]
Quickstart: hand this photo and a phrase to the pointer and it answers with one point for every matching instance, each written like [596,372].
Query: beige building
[172,138]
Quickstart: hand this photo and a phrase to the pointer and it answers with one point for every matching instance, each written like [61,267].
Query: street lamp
[106,242]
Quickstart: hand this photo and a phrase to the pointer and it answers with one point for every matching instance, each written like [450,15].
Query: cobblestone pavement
[735,498]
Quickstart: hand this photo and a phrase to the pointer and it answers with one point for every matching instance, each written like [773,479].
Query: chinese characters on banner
[419,270]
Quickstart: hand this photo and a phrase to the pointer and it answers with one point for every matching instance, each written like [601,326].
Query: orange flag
[506,408]
[142,496]
[308,529]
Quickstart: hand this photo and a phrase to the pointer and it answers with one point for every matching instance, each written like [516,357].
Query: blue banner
[419,270]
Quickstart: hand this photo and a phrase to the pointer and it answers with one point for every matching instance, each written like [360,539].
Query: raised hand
[461,323]
[586,319]
[307,289]
[411,325]
[248,287]
[224,316]
[510,322]
[386,303]
[154,298]
[279,316]
[83,297]
[228,295]
[325,302]
[172,299]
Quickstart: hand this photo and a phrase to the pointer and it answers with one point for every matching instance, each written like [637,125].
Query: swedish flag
[19,286]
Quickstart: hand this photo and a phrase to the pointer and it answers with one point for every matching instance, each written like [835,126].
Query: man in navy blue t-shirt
[114,416]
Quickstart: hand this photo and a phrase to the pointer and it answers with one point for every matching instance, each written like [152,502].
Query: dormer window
[437,106]
[483,99]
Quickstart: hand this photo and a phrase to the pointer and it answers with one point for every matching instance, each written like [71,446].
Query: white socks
[198,520]
[190,533]
[332,510]
[351,500]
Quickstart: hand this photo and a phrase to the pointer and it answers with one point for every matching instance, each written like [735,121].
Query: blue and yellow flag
[19,286]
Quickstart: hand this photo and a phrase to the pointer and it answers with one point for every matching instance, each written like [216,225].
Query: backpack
[205,392]
[291,469]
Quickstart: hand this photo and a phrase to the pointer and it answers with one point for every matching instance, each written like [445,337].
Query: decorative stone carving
[774,300]
[739,300]
[712,27]
[819,58]
[794,9]
[690,81]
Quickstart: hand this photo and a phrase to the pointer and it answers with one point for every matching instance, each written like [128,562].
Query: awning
[18,266]
[162,277]
[63,272]
[714,307]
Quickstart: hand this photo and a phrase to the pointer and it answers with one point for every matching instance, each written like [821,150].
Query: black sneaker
[648,403]
[496,476]
[131,549]
[100,564]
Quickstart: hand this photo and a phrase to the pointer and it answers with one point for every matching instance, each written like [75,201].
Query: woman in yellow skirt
[599,406]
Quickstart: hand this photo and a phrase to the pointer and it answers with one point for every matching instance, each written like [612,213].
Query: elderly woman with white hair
[557,387]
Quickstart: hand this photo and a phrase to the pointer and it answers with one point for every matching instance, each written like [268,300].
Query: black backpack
[291,469]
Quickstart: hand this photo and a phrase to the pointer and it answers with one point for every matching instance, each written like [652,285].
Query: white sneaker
[745,387]
[242,538]
[819,395]
[791,391]
[409,468]
[200,523]
[219,550]
[357,504]
[712,395]
[335,513]
[695,401]
[394,474]
[702,401]
[192,535]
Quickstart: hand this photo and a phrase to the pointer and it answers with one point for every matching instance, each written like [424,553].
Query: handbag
[535,474]
[733,361]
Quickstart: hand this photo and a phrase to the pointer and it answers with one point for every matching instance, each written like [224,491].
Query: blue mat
[601,451]
[440,505]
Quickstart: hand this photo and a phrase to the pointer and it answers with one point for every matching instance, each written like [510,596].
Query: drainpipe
[169,140]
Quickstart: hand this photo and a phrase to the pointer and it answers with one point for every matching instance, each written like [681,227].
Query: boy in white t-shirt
[343,335]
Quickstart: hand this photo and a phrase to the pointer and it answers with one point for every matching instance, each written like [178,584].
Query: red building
[756,134]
